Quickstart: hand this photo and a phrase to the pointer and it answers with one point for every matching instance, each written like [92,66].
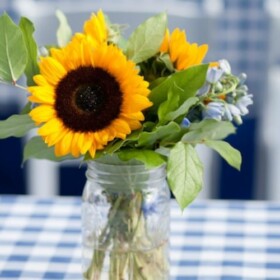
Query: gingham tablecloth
[213,240]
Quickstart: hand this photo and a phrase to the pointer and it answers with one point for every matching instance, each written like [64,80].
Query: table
[211,240]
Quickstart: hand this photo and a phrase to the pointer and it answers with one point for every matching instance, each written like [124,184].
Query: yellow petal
[202,51]
[136,103]
[98,141]
[42,113]
[40,94]
[52,70]
[121,126]
[53,138]
[135,116]
[84,142]
[40,81]
[92,151]
[74,147]
[52,126]
[96,28]
[165,44]
[133,124]
[63,146]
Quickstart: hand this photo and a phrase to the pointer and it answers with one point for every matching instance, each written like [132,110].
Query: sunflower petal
[74,146]
[42,113]
[96,28]
[53,138]
[52,126]
[121,126]
[92,151]
[52,70]
[41,94]
[136,103]
[62,147]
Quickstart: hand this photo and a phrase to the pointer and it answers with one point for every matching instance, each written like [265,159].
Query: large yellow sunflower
[87,96]
[182,53]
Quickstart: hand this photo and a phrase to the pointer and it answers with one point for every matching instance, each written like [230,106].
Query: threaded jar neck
[130,173]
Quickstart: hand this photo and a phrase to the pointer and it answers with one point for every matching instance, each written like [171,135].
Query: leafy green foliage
[36,148]
[170,104]
[184,173]
[150,158]
[13,52]
[16,126]
[146,40]
[32,67]
[208,130]
[64,32]
[186,83]
[162,138]
[148,139]
[165,59]
[226,151]
[181,112]
[27,108]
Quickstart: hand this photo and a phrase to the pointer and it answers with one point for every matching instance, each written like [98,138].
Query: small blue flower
[243,102]
[213,110]
[214,74]
[232,112]
[204,90]
[185,123]
[242,78]
[225,66]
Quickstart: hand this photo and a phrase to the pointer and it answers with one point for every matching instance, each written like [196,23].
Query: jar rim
[100,170]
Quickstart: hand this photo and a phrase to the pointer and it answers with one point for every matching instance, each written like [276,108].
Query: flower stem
[96,265]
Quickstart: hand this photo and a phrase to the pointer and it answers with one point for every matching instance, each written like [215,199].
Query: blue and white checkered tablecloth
[213,240]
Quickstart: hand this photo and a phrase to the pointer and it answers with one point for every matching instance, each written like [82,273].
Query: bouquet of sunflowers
[149,98]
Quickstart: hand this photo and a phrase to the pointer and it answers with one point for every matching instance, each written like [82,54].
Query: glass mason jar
[125,222]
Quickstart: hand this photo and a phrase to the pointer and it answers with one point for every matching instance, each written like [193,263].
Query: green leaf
[231,155]
[13,53]
[36,148]
[148,139]
[64,32]
[170,104]
[146,40]
[114,146]
[157,82]
[16,126]
[150,158]
[184,173]
[208,130]
[189,80]
[182,110]
[32,67]
[27,108]
[165,59]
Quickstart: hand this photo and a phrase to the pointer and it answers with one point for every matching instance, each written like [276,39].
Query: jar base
[129,265]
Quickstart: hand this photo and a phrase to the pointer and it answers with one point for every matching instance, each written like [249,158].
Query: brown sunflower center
[88,99]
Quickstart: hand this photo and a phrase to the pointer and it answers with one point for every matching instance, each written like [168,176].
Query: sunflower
[182,53]
[87,97]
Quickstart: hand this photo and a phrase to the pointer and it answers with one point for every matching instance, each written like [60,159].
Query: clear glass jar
[125,222]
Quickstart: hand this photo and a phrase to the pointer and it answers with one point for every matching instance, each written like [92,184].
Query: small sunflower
[87,96]
[182,53]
